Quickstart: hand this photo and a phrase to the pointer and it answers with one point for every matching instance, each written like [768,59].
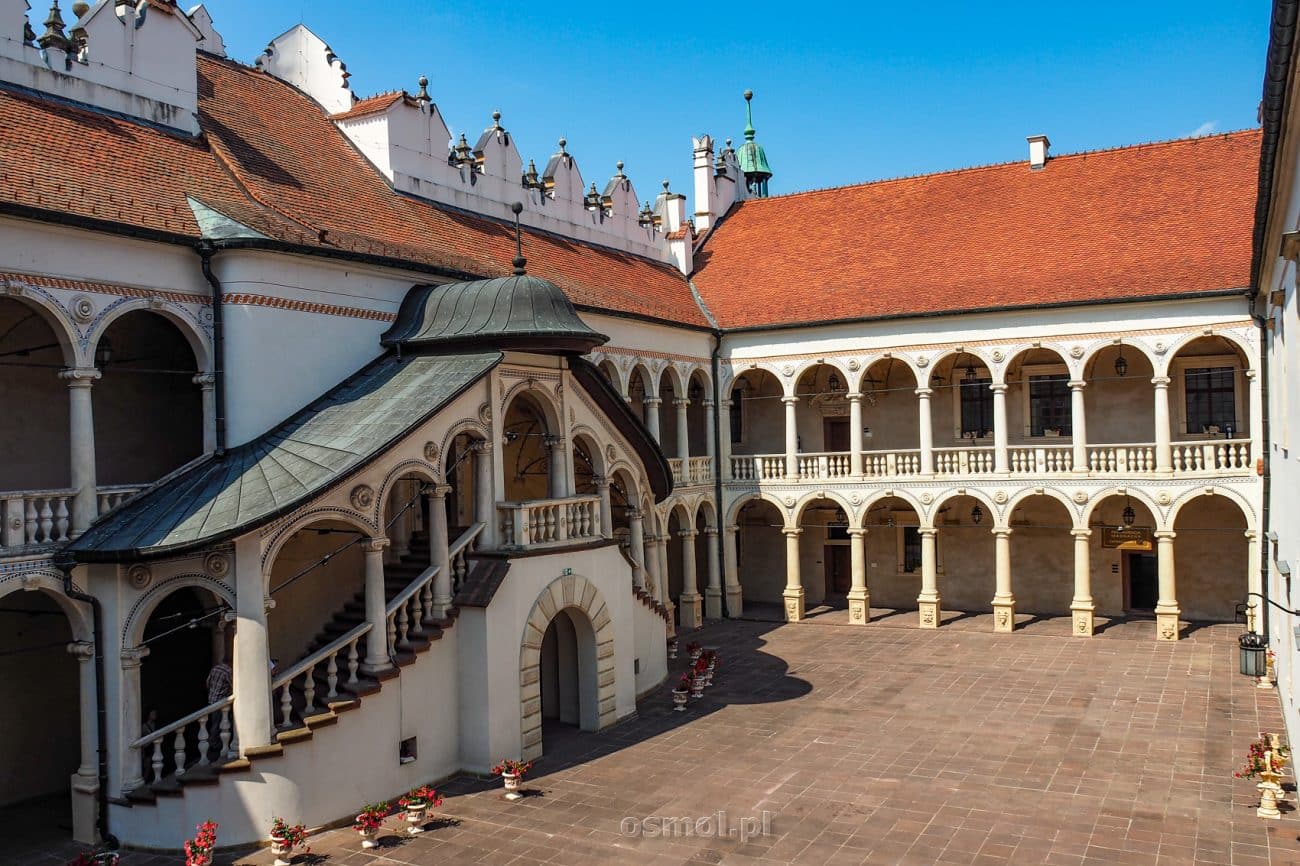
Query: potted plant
[511,772]
[672,648]
[681,693]
[693,650]
[1052,432]
[1270,672]
[368,822]
[284,838]
[96,858]
[697,681]
[1265,759]
[198,851]
[416,802]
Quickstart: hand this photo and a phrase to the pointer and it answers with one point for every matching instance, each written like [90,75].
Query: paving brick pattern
[892,745]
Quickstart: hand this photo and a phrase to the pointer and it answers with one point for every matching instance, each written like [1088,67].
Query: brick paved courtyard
[888,744]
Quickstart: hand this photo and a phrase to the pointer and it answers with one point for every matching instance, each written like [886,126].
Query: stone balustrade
[110,496]
[678,467]
[342,654]
[1212,456]
[548,522]
[203,738]
[35,517]
[964,461]
[700,470]
[1041,459]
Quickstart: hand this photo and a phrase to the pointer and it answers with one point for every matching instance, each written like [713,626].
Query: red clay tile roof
[1150,220]
[271,159]
[370,105]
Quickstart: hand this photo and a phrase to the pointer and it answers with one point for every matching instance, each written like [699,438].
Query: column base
[1167,627]
[688,611]
[712,603]
[735,602]
[369,669]
[1004,615]
[793,604]
[84,811]
[859,607]
[928,611]
[1082,612]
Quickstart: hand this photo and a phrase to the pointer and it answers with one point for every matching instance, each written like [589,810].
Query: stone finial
[618,166]
[665,186]
[563,142]
[531,180]
[463,154]
[80,8]
[496,119]
[423,94]
[54,37]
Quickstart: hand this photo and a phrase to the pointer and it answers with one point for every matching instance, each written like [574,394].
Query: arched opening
[406,525]
[705,564]
[1122,556]
[890,418]
[1117,401]
[965,524]
[757,416]
[184,643]
[610,372]
[1209,395]
[148,410]
[760,552]
[894,553]
[459,472]
[567,675]
[34,425]
[824,554]
[638,391]
[822,418]
[698,390]
[1038,398]
[678,522]
[961,403]
[669,391]
[40,749]
[527,455]
[317,581]
[1042,555]
[588,465]
[1210,555]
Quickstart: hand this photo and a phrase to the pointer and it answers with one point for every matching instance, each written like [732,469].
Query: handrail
[465,538]
[412,588]
[175,726]
[324,652]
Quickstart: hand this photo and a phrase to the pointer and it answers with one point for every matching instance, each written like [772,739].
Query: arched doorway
[824,554]
[760,553]
[563,661]
[894,553]
[1122,556]
[148,409]
[1042,555]
[965,523]
[1212,565]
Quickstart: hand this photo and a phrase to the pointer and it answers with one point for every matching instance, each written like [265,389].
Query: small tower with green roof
[752,158]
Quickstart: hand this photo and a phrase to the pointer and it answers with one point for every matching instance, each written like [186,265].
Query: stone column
[1004,603]
[1252,568]
[928,601]
[207,390]
[724,438]
[791,439]
[485,511]
[1001,458]
[219,629]
[859,597]
[1255,418]
[402,523]
[81,423]
[688,604]
[652,417]
[710,450]
[252,655]
[855,435]
[1164,447]
[606,510]
[661,550]
[680,406]
[731,574]
[1078,427]
[558,468]
[377,638]
[439,553]
[1167,610]
[132,770]
[793,594]
[1082,606]
[712,592]
[87,775]
[926,430]
[652,567]
[636,546]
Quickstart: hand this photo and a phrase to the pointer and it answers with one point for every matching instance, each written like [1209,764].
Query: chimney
[705,195]
[1038,146]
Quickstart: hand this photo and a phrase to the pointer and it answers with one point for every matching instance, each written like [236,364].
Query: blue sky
[842,94]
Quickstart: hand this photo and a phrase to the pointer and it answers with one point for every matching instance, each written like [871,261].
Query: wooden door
[835,432]
[838,577]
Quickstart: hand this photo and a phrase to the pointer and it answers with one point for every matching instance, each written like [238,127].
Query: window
[1211,399]
[737,416]
[976,407]
[911,549]
[1049,404]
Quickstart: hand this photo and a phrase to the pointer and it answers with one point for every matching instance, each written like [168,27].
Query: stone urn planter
[672,649]
[512,785]
[282,850]
[284,838]
[697,687]
[512,773]
[1269,789]
[368,822]
[680,697]
[415,803]
[693,650]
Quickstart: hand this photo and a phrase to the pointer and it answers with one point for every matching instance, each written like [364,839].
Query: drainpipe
[717,469]
[1265,545]
[66,564]
[206,251]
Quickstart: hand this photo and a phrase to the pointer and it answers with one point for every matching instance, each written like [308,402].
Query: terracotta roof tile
[370,105]
[1150,220]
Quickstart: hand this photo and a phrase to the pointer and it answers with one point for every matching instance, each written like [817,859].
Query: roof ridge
[1141,145]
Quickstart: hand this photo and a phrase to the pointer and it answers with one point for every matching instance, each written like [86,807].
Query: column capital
[999,387]
[710,530]
[206,381]
[681,402]
[554,442]
[733,529]
[133,656]
[854,396]
[927,531]
[82,650]
[482,446]
[375,544]
[634,513]
[858,531]
[1081,533]
[437,490]
[652,401]
[687,533]
[924,392]
[789,401]
[1164,535]
[600,480]
[80,377]
[1077,384]
[1160,382]
[707,402]
[791,532]
[1001,531]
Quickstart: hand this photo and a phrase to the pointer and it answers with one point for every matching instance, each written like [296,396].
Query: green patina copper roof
[216,498]
[750,155]
[520,312]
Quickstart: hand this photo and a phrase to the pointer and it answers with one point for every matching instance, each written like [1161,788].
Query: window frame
[1178,368]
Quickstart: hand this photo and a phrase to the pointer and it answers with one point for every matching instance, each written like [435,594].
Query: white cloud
[1209,127]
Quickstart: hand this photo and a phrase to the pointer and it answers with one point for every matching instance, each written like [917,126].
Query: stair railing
[412,608]
[458,550]
[342,654]
[153,744]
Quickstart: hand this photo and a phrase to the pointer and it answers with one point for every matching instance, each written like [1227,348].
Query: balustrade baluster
[178,751]
[391,622]
[352,663]
[403,626]
[61,519]
[47,520]
[332,677]
[223,733]
[203,742]
[309,692]
[286,706]
[157,764]
[29,521]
